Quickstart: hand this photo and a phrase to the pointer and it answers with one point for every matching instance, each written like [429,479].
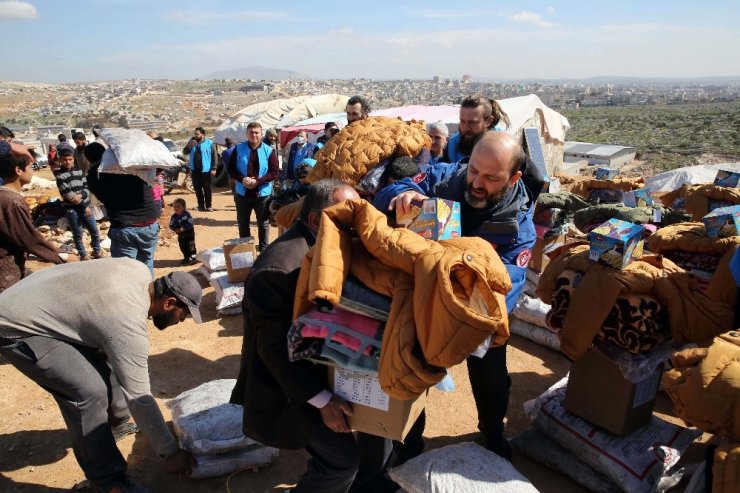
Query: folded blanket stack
[228,295]
[529,317]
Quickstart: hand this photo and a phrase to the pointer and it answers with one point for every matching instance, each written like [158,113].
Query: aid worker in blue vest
[202,161]
[254,166]
[496,205]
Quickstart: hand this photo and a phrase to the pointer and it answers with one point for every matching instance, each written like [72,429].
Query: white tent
[316,106]
[268,114]
[691,175]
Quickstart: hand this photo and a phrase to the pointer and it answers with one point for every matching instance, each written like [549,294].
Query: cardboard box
[434,219]
[598,392]
[540,260]
[615,242]
[374,411]
[240,254]
[605,173]
[726,178]
[638,198]
[722,222]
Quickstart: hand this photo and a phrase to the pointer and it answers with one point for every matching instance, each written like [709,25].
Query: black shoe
[185,261]
[500,446]
[123,429]
[201,209]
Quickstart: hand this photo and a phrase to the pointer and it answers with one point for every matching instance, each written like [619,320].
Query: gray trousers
[339,459]
[88,396]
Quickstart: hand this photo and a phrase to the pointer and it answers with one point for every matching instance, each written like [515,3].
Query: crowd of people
[104,381]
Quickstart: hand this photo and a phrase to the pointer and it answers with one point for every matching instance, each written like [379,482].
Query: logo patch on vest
[523,258]
[420,177]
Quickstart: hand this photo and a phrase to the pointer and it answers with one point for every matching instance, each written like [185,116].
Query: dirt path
[34,448]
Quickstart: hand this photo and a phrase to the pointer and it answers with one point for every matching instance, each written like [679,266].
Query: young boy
[181,223]
[73,189]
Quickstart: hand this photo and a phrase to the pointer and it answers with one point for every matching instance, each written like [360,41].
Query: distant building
[147,124]
[610,155]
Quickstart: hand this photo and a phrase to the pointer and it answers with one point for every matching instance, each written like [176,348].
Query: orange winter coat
[694,317]
[582,186]
[705,388]
[693,238]
[361,145]
[697,197]
[448,297]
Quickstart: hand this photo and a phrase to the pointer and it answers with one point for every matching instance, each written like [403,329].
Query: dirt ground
[35,454]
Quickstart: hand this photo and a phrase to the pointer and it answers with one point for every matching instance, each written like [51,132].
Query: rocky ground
[35,454]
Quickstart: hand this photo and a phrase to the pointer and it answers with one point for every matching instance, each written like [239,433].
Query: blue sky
[66,41]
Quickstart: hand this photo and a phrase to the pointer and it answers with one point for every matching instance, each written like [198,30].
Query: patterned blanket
[635,323]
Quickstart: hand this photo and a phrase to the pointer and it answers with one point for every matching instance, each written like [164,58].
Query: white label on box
[360,388]
[593,255]
[646,390]
[657,215]
[242,260]
[429,207]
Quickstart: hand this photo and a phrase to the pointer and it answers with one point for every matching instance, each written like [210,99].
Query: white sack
[535,333]
[210,466]
[641,462]
[133,148]
[213,259]
[464,467]
[204,420]
[228,295]
[532,310]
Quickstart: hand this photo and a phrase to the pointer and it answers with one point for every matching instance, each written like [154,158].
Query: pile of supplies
[210,428]
[229,295]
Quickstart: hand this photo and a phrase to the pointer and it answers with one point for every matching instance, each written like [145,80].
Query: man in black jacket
[286,404]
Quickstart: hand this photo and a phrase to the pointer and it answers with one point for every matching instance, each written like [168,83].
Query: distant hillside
[256,73]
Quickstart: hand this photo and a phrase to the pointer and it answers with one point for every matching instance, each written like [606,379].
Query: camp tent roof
[691,175]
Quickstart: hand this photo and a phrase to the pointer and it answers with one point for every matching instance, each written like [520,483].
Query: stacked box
[638,198]
[615,243]
[722,222]
[240,255]
[727,178]
[606,173]
[434,219]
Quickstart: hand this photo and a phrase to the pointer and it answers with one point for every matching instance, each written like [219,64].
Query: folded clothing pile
[642,462]
[350,334]
[132,151]
[210,428]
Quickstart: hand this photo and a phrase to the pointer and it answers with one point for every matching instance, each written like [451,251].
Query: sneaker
[201,209]
[82,259]
[185,261]
[97,255]
[209,209]
[193,261]
[124,428]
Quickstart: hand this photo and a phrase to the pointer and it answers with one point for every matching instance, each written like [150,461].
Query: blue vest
[205,151]
[242,163]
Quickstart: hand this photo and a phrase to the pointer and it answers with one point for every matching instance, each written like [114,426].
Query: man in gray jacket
[84,339]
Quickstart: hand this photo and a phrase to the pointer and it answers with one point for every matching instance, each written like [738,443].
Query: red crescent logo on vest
[523,258]
[420,177]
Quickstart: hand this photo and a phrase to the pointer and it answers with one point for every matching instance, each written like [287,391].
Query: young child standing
[158,190]
[181,223]
[73,189]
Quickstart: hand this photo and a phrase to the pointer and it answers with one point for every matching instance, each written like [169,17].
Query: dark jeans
[244,207]
[339,459]
[87,393]
[187,244]
[202,184]
[77,221]
[491,385]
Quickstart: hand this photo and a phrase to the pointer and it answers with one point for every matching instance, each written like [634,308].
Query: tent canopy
[690,175]
[272,113]
[519,110]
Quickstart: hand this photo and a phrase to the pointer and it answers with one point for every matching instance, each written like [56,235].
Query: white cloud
[550,10]
[190,17]
[17,10]
[530,18]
